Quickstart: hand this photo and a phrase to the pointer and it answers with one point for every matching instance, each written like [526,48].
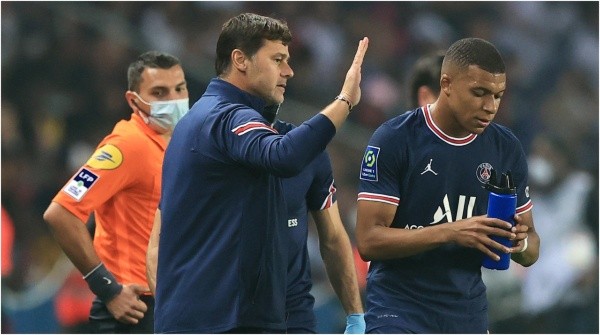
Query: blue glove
[355,324]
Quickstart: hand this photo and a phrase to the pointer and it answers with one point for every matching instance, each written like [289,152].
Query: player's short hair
[475,51]
[248,32]
[426,72]
[149,59]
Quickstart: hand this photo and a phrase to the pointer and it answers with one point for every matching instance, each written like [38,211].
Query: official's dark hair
[475,51]
[426,72]
[247,32]
[150,59]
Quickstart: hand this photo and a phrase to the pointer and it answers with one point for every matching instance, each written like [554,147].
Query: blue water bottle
[502,204]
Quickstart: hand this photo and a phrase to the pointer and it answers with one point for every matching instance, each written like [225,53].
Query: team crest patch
[80,184]
[368,168]
[108,157]
[484,172]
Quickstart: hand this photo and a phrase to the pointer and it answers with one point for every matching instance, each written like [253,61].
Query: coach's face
[268,70]
[474,97]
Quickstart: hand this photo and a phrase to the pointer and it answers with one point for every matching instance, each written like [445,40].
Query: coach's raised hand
[350,94]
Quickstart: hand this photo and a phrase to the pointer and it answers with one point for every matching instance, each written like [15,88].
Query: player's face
[268,71]
[475,99]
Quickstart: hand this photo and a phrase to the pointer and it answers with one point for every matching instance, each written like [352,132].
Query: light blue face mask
[164,115]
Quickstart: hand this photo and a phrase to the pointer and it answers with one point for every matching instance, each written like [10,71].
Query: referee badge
[368,168]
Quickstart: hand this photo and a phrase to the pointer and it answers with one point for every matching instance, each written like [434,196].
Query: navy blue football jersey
[311,190]
[434,179]
[223,253]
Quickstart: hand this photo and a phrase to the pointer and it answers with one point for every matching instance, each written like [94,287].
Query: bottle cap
[505,186]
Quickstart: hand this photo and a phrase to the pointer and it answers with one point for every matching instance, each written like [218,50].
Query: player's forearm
[531,254]
[341,271]
[381,242]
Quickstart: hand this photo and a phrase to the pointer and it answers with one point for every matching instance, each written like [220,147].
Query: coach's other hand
[355,324]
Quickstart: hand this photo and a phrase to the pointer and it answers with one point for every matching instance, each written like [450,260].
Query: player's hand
[520,230]
[351,88]
[355,324]
[126,307]
[475,233]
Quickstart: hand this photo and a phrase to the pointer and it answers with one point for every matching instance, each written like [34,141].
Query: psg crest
[484,171]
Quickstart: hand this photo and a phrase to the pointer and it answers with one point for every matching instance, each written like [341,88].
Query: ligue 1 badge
[368,168]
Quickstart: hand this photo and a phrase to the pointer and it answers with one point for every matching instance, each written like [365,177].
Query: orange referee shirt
[121,184]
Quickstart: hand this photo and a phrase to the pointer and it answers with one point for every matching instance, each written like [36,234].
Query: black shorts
[102,322]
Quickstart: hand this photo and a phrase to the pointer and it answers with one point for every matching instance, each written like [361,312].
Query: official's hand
[351,88]
[355,324]
[475,232]
[126,307]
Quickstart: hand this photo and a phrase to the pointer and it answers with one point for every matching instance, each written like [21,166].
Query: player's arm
[376,240]
[73,237]
[526,239]
[336,251]
[152,253]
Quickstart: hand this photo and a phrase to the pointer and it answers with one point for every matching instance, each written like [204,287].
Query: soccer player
[223,253]
[313,190]
[121,184]
[422,208]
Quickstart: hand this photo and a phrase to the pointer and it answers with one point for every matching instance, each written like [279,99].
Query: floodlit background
[63,82]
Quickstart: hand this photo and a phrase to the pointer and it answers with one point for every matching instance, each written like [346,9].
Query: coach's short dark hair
[475,51]
[247,32]
[150,59]
[426,72]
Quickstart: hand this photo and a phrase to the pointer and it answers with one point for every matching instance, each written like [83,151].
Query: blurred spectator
[8,237]
[424,84]
[558,292]
[73,303]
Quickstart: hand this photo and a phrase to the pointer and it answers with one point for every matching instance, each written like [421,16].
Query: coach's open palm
[351,88]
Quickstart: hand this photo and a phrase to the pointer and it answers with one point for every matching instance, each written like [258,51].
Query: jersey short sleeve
[381,168]
[520,175]
[104,174]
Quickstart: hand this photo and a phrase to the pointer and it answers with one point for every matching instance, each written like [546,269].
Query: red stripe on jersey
[246,127]
[439,133]
[528,206]
[378,197]
[329,200]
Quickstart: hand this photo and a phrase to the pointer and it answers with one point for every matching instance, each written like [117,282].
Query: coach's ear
[239,60]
